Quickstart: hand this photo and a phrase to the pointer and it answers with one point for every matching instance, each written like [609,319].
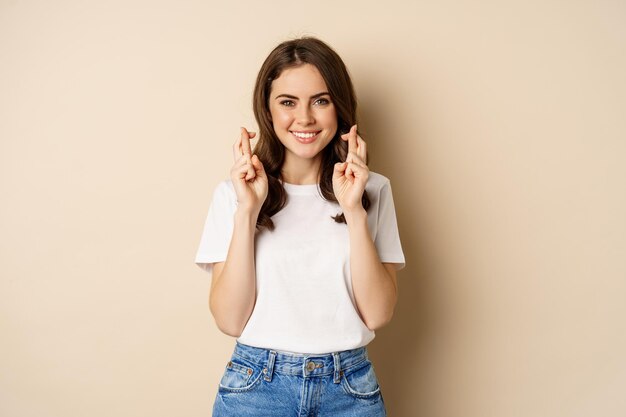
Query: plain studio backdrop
[501,124]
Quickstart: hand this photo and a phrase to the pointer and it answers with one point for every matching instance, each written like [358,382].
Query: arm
[233,286]
[374,283]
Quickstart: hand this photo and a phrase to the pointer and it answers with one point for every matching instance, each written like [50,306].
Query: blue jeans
[264,382]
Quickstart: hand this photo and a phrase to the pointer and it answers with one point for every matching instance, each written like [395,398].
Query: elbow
[227,326]
[381,317]
[228,330]
[378,322]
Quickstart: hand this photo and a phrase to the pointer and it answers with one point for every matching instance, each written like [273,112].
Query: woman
[303,247]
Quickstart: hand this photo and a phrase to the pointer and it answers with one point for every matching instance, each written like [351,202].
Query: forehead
[299,81]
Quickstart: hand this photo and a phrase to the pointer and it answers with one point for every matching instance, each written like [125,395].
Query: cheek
[280,117]
[329,118]
[331,123]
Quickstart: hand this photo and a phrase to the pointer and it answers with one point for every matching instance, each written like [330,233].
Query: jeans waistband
[302,364]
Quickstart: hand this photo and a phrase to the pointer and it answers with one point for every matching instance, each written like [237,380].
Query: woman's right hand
[248,175]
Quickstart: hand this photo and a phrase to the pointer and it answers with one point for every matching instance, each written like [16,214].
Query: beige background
[500,124]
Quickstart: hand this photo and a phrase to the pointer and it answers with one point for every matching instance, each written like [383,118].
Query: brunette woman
[303,246]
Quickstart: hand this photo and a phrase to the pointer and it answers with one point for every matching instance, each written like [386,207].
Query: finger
[354,158]
[349,169]
[339,169]
[245,163]
[243,171]
[251,172]
[237,146]
[346,136]
[258,166]
[358,171]
[245,142]
[352,143]
[357,168]
[362,149]
[240,162]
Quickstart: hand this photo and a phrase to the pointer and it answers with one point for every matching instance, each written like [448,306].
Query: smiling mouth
[305,137]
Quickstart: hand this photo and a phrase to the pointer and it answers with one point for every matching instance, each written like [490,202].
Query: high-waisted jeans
[264,382]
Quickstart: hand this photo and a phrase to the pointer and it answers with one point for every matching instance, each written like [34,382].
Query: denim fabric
[264,382]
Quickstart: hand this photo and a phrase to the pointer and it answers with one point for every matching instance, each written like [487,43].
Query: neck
[301,171]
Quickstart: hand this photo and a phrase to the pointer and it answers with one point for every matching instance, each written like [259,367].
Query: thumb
[258,165]
[340,167]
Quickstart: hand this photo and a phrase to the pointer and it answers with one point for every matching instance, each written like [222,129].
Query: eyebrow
[324,93]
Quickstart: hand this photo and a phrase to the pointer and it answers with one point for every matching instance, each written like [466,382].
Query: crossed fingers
[357,150]
[242,153]
[242,145]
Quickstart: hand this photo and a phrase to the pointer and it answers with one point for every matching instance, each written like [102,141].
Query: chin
[302,151]
[307,155]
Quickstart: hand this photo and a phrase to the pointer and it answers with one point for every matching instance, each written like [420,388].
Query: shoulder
[376,182]
[225,190]
[226,186]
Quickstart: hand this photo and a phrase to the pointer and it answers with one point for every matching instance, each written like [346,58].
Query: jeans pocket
[240,376]
[362,382]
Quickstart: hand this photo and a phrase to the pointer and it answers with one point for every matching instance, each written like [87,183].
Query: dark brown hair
[271,152]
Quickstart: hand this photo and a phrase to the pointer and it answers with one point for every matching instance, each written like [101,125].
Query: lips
[305,137]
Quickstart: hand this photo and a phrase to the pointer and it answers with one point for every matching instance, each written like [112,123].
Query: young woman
[303,247]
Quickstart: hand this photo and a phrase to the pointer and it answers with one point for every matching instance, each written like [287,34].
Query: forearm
[374,289]
[233,292]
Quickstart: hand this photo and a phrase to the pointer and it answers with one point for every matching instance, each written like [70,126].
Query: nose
[305,115]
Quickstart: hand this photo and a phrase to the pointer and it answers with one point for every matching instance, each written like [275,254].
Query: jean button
[310,366]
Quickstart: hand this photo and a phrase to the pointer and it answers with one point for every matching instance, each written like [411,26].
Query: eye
[323,101]
[285,103]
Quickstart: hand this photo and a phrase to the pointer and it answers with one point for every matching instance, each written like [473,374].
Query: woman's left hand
[350,177]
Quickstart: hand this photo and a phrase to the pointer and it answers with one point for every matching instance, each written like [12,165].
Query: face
[302,112]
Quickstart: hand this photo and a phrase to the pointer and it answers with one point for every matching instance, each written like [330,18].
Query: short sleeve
[387,240]
[218,227]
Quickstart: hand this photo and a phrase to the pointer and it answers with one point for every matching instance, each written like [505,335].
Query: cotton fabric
[305,302]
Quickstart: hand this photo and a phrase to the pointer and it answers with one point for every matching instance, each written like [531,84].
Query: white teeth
[304,135]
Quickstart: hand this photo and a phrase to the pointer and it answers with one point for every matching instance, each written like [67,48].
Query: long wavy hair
[269,149]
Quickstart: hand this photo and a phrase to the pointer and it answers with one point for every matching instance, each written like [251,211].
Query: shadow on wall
[403,344]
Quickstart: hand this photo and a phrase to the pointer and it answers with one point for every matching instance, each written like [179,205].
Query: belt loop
[338,371]
[269,369]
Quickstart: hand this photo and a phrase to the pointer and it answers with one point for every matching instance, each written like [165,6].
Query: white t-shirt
[305,302]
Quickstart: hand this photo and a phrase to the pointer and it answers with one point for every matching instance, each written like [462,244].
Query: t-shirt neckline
[301,189]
